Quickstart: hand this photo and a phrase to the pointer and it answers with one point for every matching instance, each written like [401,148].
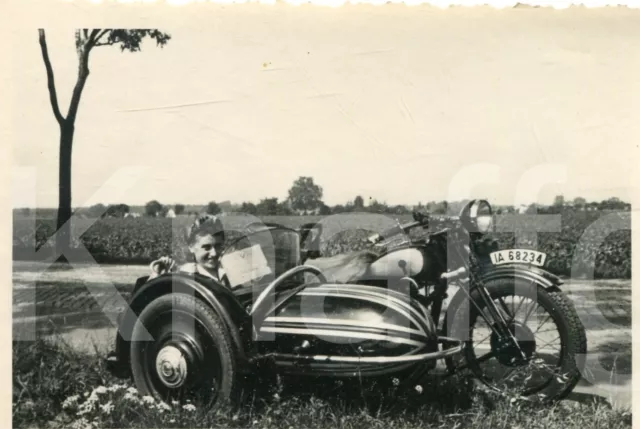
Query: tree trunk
[63,241]
[67,128]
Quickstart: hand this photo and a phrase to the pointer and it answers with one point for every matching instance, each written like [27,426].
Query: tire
[187,335]
[572,351]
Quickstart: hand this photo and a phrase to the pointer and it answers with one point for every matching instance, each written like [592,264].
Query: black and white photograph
[328,215]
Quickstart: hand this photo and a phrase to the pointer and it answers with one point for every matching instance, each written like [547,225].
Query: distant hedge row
[583,247]
[589,243]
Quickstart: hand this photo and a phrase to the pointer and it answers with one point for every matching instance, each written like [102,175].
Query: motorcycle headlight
[484,223]
[477,216]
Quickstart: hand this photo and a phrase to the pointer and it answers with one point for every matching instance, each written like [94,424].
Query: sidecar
[185,334]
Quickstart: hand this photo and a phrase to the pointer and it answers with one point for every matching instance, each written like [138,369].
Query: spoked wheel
[190,357]
[550,341]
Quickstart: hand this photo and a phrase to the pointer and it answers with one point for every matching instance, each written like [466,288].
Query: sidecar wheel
[550,378]
[190,357]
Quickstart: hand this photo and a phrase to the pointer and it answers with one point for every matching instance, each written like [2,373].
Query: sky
[404,105]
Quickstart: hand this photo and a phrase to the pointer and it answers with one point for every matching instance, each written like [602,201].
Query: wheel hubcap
[171,366]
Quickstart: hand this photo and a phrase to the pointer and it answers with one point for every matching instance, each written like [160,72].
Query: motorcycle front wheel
[550,348]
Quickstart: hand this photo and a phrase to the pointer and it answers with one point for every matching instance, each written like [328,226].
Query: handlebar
[420,220]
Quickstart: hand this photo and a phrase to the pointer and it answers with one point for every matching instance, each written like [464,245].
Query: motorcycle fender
[535,275]
[525,272]
[217,296]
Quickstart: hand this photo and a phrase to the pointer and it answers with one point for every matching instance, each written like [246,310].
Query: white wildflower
[107,408]
[148,399]
[85,408]
[163,406]
[70,401]
[131,397]
[116,387]
[175,403]
[396,381]
[189,407]
[418,389]
[172,421]
[93,398]
[81,424]
[100,390]
[132,390]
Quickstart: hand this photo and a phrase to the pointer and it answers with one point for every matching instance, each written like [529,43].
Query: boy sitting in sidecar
[206,239]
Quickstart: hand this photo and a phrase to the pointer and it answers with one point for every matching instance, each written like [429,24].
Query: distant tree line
[305,198]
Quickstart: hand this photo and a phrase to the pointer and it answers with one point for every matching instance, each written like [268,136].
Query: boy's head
[206,241]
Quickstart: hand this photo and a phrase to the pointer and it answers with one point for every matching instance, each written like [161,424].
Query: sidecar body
[284,312]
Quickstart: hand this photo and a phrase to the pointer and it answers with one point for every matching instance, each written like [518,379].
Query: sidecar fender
[217,296]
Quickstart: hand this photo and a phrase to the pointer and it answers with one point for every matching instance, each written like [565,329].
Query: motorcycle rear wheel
[562,375]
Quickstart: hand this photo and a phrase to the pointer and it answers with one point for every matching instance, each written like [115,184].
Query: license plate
[519,256]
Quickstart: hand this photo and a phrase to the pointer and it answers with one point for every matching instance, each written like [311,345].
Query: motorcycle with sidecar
[508,321]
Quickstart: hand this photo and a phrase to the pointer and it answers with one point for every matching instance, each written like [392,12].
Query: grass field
[55,387]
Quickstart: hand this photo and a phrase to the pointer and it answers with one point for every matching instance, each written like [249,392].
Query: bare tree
[86,40]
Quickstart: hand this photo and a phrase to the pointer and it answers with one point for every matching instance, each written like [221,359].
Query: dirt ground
[79,306]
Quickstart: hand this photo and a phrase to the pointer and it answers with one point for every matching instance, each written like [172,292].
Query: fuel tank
[347,330]
[396,264]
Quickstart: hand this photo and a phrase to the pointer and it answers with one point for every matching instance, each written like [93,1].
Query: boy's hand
[163,265]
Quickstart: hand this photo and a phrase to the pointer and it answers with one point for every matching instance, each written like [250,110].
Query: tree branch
[83,50]
[50,81]
[105,44]
[100,36]
[93,38]
[103,33]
